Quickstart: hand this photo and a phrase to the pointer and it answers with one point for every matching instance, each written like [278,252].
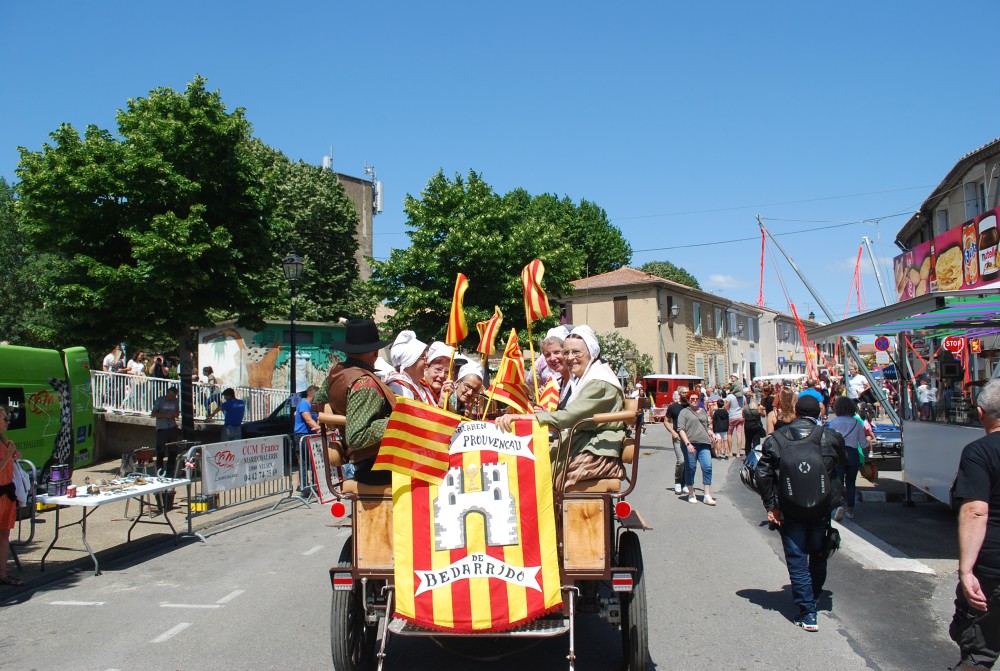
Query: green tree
[463,226]
[618,351]
[18,293]
[155,233]
[669,271]
[313,217]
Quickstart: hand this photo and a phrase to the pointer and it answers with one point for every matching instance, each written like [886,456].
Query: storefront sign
[975,345]
[963,258]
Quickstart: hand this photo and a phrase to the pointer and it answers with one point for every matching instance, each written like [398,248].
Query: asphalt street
[257,596]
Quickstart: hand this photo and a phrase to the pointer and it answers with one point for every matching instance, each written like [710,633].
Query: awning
[971,314]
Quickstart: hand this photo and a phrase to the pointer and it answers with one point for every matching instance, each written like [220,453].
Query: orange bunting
[536,303]
[458,329]
[488,331]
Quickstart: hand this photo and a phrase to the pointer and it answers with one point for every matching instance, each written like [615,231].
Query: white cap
[437,350]
[406,350]
[590,338]
[471,368]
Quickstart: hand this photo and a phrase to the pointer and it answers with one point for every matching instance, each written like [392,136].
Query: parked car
[278,423]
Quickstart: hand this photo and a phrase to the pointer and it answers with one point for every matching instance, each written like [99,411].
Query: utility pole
[878,273]
[848,345]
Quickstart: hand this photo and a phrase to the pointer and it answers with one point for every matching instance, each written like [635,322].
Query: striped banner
[458,329]
[513,395]
[416,440]
[548,398]
[511,368]
[491,570]
[488,331]
[536,303]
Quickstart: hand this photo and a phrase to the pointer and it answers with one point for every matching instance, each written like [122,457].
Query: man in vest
[353,390]
[799,496]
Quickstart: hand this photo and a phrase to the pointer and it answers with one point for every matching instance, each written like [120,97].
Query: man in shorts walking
[976,624]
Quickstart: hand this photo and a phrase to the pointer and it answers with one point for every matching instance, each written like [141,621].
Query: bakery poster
[964,257]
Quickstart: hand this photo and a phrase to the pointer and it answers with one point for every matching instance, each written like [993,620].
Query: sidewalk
[107,533]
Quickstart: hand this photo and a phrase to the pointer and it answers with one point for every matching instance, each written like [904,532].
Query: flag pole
[531,348]
[451,371]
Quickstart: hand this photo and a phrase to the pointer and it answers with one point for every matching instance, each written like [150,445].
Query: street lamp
[292,266]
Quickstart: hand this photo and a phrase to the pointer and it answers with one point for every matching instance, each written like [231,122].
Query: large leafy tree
[618,351]
[154,231]
[461,225]
[669,271]
[18,295]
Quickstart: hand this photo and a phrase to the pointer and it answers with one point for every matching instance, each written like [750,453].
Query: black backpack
[804,487]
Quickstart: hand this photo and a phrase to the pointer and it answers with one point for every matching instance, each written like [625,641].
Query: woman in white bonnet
[436,375]
[468,391]
[549,364]
[592,387]
[407,357]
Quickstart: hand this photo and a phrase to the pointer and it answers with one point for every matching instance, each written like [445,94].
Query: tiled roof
[624,276]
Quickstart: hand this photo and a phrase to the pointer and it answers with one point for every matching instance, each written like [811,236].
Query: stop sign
[954,344]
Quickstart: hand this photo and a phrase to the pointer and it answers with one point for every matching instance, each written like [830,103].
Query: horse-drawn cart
[597,565]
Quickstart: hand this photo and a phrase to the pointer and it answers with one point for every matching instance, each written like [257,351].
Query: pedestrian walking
[693,427]
[798,484]
[680,451]
[975,626]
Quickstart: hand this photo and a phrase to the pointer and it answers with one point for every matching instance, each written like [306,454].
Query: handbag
[869,471]
[831,541]
[22,485]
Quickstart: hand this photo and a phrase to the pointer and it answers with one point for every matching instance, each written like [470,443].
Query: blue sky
[682,120]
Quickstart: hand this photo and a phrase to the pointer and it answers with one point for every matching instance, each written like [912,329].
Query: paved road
[257,596]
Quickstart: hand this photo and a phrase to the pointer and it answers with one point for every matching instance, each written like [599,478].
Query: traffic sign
[954,344]
[882,343]
[975,345]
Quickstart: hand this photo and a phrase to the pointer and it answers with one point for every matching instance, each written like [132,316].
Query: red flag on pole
[488,331]
[458,329]
[536,303]
[549,397]
[511,369]
[416,441]
[513,395]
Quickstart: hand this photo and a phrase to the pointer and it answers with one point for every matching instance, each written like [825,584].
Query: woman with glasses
[439,358]
[468,398]
[591,388]
[693,427]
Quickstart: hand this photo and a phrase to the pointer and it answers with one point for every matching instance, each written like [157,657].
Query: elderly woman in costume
[549,363]
[591,388]
[438,367]
[407,356]
[468,391]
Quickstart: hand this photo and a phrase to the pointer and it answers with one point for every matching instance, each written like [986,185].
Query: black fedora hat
[360,335]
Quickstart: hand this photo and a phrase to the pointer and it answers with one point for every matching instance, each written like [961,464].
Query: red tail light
[623,509]
[338,509]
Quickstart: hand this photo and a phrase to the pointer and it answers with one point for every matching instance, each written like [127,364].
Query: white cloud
[725,282]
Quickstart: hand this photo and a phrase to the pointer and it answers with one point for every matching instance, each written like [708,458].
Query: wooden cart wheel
[635,627]
[352,644]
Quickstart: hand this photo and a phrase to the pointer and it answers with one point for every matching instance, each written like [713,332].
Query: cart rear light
[623,509]
[338,509]
[621,582]
[343,582]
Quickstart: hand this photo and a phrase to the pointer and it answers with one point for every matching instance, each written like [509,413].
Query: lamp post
[292,266]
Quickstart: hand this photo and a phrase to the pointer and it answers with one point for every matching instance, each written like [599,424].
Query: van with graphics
[47,394]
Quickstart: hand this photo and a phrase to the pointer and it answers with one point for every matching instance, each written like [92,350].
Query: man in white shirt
[856,383]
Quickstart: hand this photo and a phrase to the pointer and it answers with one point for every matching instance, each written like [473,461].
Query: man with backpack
[797,480]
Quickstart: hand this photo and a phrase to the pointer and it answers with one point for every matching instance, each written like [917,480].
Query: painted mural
[240,357]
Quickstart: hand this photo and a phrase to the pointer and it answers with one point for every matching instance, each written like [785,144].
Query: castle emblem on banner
[493,501]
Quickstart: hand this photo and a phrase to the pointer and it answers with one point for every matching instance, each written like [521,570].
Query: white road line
[312,551]
[875,553]
[229,597]
[167,635]
[190,605]
[77,603]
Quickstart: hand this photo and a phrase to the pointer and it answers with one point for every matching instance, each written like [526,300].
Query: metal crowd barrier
[200,503]
[133,394]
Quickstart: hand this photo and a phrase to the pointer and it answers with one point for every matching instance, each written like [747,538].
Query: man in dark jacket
[802,535]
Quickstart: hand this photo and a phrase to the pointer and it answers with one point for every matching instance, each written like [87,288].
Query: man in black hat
[353,390]
[798,483]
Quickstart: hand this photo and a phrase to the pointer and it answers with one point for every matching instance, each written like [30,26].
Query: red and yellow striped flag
[416,441]
[511,369]
[513,395]
[549,396]
[458,329]
[488,331]
[536,303]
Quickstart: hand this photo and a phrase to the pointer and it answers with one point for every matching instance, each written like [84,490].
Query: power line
[787,202]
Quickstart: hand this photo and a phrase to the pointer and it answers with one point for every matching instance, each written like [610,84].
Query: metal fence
[199,503]
[132,394]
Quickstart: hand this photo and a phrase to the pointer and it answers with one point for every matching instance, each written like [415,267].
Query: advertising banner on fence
[963,258]
[238,463]
[477,552]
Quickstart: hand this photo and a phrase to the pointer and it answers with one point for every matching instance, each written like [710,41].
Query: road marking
[167,635]
[229,597]
[312,551]
[77,603]
[875,553]
[190,605]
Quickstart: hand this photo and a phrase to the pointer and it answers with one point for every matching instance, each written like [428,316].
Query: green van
[48,398]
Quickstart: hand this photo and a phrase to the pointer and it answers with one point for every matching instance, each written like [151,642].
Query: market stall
[948,345]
